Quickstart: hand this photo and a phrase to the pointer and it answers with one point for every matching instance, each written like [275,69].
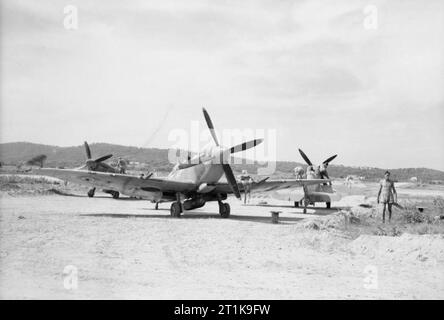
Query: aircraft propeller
[307,160]
[226,152]
[94,164]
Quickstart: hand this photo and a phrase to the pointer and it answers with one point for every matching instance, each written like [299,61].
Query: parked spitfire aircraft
[189,186]
[310,194]
[100,166]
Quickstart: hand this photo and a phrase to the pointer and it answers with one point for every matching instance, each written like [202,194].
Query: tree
[37,160]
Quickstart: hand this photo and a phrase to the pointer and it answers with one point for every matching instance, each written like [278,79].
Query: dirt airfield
[125,249]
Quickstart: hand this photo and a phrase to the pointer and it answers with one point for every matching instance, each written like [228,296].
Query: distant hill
[70,157]
[153,158]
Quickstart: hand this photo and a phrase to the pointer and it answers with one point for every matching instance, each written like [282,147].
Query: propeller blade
[329,159]
[88,150]
[304,156]
[103,158]
[210,126]
[231,180]
[246,145]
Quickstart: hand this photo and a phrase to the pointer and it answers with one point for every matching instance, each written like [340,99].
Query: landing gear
[91,192]
[224,209]
[176,207]
[296,204]
[157,206]
[115,194]
[328,205]
[176,210]
[306,203]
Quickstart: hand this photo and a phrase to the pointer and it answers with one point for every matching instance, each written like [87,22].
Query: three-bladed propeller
[307,160]
[224,154]
[94,164]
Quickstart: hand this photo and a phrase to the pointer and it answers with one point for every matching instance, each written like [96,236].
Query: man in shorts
[387,195]
[323,172]
[246,181]
[121,165]
[311,173]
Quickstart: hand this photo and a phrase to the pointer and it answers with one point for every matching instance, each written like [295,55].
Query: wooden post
[275,216]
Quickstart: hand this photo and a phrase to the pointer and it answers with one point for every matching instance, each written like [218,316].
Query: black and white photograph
[213,150]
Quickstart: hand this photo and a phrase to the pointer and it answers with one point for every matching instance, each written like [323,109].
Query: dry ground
[125,249]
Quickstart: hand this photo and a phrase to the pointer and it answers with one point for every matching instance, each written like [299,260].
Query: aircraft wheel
[115,195]
[175,210]
[224,210]
[328,205]
[296,204]
[91,192]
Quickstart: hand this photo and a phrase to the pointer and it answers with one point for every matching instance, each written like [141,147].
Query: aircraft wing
[116,181]
[272,185]
[135,185]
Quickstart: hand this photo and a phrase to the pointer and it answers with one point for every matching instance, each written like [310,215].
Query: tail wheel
[328,205]
[224,210]
[175,210]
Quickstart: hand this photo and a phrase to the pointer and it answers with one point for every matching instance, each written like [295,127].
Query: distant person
[246,181]
[387,195]
[323,172]
[317,175]
[121,164]
[349,181]
[299,172]
[317,172]
[310,173]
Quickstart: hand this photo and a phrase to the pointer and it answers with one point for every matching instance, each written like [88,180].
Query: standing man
[389,197]
[246,181]
[349,181]
[323,172]
[299,172]
[311,173]
[121,164]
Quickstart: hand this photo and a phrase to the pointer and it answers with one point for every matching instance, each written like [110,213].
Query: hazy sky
[135,70]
